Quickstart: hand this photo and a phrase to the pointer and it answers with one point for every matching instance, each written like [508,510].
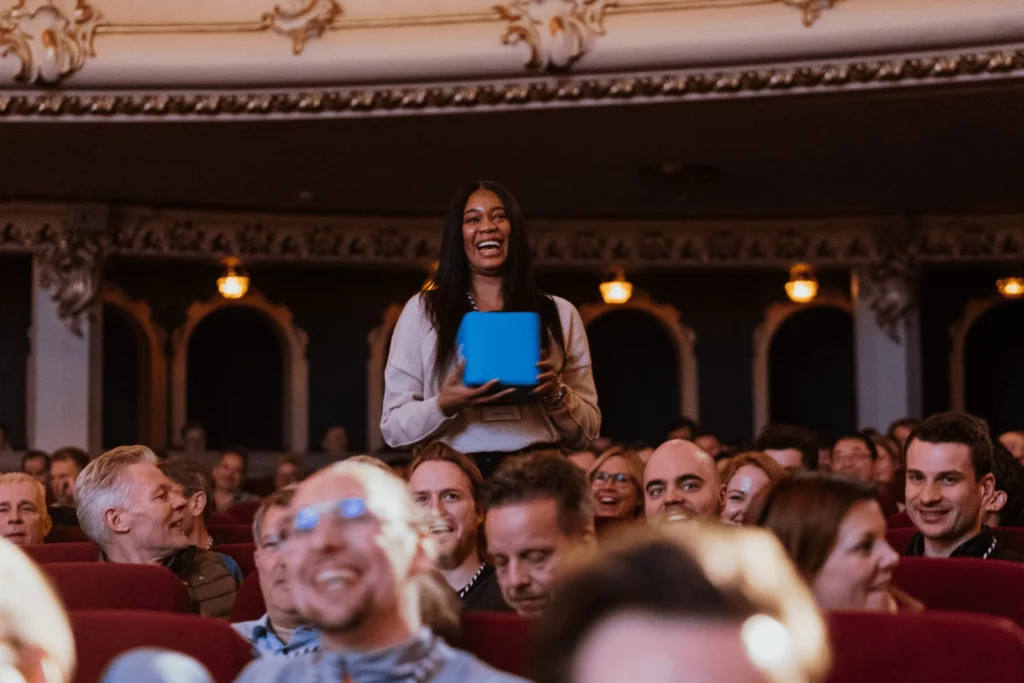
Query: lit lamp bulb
[1011,287]
[617,291]
[233,284]
[430,283]
[802,286]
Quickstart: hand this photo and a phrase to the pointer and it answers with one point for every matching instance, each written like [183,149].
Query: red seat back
[899,538]
[249,603]
[220,519]
[964,584]
[924,646]
[101,635]
[230,533]
[63,552]
[499,638]
[242,513]
[241,553]
[101,585]
[900,520]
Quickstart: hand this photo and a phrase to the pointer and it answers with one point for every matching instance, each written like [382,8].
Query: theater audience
[693,602]
[834,531]
[710,443]
[288,470]
[36,464]
[128,507]
[1014,443]
[746,475]
[949,481]
[228,477]
[582,459]
[24,519]
[1005,507]
[890,460]
[192,482]
[681,482]
[36,644]
[616,481]
[335,441]
[855,456]
[538,513]
[65,466]
[447,485]
[899,431]
[792,447]
[372,461]
[356,545]
[282,630]
[682,428]
[825,441]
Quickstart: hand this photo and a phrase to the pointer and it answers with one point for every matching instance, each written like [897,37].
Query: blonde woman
[616,479]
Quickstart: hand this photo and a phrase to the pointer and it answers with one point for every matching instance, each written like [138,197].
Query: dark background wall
[15,318]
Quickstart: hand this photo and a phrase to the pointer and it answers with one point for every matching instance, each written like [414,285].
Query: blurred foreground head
[683,602]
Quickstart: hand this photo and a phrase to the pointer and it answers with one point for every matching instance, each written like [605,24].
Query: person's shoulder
[278,669]
[1007,555]
[469,669]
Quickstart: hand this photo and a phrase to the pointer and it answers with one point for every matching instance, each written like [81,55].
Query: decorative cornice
[306,19]
[71,267]
[51,39]
[811,9]
[558,32]
[802,78]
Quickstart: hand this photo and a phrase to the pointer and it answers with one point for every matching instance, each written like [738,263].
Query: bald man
[682,482]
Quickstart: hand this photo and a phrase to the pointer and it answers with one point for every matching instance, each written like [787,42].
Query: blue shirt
[265,642]
[232,566]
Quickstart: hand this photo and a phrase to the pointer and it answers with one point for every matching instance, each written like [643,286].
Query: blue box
[501,346]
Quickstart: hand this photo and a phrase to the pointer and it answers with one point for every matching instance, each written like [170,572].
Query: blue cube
[501,346]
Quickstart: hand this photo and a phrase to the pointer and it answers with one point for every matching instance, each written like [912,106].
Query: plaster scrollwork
[811,9]
[889,286]
[50,39]
[558,32]
[71,267]
[302,20]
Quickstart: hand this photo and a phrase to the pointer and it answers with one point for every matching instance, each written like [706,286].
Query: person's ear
[987,487]
[198,503]
[47,523]
[995,503]
[117,520]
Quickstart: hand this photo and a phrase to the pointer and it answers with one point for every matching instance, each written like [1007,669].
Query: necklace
[991,548]
[472,302]
[464,591]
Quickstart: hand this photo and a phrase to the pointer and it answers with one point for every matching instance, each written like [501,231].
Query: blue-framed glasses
[310,517]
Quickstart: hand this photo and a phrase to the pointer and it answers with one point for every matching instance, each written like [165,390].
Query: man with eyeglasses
[282,630]
[357,553]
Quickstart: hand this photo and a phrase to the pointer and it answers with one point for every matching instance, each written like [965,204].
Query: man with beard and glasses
[949,484]
[681,482]
[357,550]
[447,484]
[130,509]
[538,513]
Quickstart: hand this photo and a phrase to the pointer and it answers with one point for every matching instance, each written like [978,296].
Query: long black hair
[448,303]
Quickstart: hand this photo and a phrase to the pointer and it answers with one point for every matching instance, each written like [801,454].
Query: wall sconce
[618,290]
[234,283]
[1011,287]
[429,283]
[802,286]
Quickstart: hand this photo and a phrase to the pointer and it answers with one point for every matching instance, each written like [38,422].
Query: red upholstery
[924,646]
[242,513]
[63,552]
[101,585]
[964,584]
[900,520]
[242,554]
[249,603]
[101,635]
[230,533]
[899,539]
[499,638]
[220,519]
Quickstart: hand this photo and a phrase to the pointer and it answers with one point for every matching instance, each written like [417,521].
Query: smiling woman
[486,266]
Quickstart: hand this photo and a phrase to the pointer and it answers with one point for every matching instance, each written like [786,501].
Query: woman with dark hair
[486,265]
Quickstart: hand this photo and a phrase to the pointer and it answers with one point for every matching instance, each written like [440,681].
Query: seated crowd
[629,563]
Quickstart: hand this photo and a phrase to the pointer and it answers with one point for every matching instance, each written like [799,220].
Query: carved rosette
[889,286]
[302,19]
[558,32]
[50,39]
[71,265]
[811,9]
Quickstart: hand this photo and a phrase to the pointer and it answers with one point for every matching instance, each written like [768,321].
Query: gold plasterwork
[303,19]
[811,9]
[558,32]
[50,39]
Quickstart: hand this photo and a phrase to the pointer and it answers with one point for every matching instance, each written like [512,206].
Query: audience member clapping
[745,476]
[681,482]
[24,519]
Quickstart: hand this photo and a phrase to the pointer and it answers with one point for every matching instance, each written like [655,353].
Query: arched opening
[812,377]
[638,399]
[236,380]
[124,370]
[994,366]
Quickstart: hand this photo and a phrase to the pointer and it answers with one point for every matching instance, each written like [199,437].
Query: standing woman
[486,266]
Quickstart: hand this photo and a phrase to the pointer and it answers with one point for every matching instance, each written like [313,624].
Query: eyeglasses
[307,519]
[620,479]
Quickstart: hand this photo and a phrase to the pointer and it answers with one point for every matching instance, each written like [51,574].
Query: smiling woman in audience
[615,480]
[834,531]
[745,475]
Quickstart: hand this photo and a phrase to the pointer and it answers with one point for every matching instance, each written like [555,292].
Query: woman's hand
[549,381]
[456,396]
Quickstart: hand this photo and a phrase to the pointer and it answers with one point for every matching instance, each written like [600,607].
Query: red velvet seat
[964,584]
[230,533]
[900,520]
[242,513]
[220,519]
[499,638]
[63,552]
[899,538]
[249,603]
[101,635]
[241,553]
[101,585]
[924,646]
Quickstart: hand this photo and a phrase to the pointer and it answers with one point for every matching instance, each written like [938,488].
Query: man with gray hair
[131,510]
[357,550]
[23,516]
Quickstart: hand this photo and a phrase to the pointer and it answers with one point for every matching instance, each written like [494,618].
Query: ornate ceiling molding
[50,39]
[71,267]
[302,20]
[520,94]
[558,32]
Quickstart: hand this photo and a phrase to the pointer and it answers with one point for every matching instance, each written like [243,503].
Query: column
[888,346]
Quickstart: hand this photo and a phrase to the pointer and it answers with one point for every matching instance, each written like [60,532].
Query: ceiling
[920,149]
